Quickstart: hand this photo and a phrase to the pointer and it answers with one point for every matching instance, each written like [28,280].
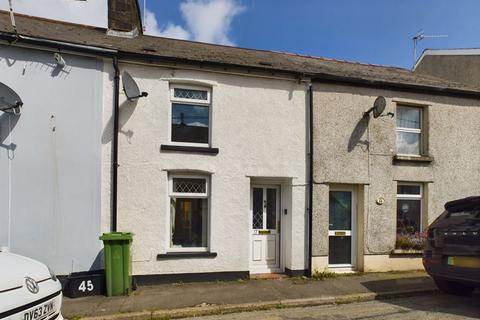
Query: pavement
[169,301]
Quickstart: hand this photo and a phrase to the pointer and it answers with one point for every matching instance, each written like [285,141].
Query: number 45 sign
[86,285]
[81,285]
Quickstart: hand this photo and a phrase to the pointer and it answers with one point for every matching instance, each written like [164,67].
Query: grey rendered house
[245,161]
[379,182]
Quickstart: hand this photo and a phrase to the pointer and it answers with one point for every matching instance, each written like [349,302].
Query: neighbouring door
[265,222]
[341,233]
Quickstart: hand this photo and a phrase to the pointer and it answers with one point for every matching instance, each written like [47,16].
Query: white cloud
[170,31]
[206,21]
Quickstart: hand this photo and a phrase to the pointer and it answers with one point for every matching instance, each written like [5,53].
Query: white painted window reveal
[189,212]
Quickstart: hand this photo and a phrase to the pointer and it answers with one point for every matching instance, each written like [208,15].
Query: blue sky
[371,31]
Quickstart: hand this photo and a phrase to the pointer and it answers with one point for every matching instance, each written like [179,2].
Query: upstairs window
[190,121]
[409,130]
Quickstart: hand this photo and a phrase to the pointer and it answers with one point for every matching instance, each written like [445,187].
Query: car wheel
[453,287]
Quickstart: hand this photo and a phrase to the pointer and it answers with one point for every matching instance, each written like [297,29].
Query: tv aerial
[378,108]
[10,101]
[131,88]
[420,36]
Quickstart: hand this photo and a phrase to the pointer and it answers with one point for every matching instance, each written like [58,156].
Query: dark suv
[452,251]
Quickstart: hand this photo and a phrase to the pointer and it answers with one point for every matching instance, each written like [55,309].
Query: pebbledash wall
[353,152]
[259,127]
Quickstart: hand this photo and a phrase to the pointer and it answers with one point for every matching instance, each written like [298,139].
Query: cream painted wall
[260,129]
[454,142]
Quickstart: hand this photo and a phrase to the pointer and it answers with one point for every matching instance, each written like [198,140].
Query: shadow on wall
[126,110]
[7,123]
[357,135]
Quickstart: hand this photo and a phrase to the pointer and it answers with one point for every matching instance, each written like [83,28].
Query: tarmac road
[434,306]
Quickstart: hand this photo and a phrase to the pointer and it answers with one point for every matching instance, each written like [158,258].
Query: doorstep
[268,276]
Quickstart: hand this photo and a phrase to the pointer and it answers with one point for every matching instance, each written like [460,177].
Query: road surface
[436,306]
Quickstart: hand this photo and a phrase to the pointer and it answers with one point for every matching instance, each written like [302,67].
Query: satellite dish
[379,106]
[131,88]
[10,101]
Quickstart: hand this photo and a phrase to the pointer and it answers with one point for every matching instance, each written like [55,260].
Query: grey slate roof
[195,52]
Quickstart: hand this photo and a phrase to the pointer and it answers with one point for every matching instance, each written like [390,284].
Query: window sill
[191,149]
[174,255]
[406,252]
[413,158]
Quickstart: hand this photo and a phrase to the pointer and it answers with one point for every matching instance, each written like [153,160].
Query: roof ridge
[282,52]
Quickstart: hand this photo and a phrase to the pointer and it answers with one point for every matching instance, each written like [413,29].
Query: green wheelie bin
[118,262]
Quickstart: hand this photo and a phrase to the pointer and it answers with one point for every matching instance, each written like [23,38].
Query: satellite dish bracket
[141,95]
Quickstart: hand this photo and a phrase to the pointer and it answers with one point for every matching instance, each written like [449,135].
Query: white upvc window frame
[413,197]
[411,130]
[172,194]
[194,102]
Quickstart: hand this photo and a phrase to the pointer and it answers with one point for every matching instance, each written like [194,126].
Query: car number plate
[465,262]
[40,312]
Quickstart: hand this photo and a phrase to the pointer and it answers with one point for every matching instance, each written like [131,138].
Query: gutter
[102,52]
[116,111]
[310,178]
[316,77]
[59,45]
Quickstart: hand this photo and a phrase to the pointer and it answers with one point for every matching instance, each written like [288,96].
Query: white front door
[341,231]
[265,222]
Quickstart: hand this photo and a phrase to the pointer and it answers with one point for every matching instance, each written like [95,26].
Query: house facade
[379,182]
[210,182]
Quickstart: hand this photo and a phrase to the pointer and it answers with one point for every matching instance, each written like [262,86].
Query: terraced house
[240,161]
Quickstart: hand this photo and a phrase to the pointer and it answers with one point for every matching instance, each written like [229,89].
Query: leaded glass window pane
[271,209]
[257,222]
[189,185]
[190,94]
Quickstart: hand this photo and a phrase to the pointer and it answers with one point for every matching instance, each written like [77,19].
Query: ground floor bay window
[409,216]
[188,213]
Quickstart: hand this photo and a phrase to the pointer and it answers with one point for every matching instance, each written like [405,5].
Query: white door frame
[352,233]
[280,222]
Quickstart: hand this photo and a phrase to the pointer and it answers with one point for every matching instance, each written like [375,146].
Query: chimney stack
[124,18]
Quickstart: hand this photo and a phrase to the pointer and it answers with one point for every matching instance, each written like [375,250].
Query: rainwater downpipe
[116,93]
[310,178]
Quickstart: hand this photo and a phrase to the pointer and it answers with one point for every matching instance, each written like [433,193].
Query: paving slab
[213,295]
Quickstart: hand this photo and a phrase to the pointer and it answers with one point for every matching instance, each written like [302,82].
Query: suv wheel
[453,287]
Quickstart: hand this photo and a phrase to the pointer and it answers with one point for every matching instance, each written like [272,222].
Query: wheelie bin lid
[114,236]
